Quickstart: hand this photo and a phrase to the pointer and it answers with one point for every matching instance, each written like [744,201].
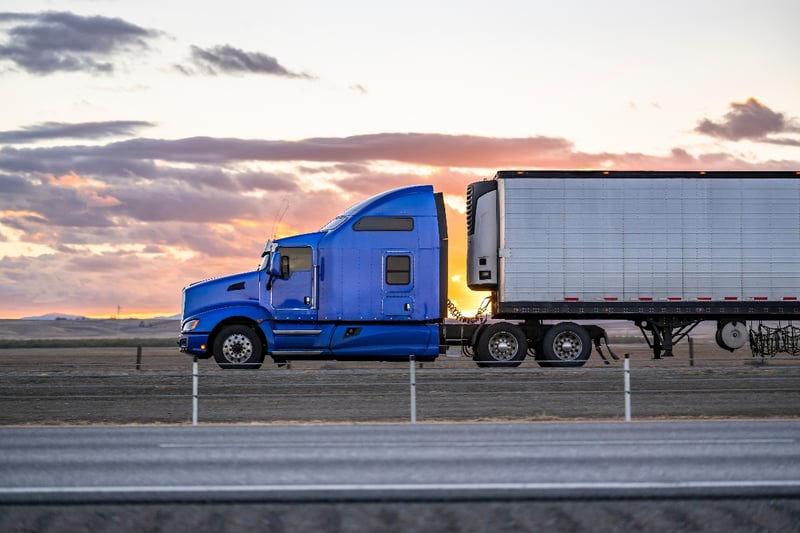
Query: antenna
[282,209]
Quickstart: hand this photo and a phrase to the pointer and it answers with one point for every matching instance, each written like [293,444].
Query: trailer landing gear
[666,332]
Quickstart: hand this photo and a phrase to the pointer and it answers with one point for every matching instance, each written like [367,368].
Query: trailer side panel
[641,239]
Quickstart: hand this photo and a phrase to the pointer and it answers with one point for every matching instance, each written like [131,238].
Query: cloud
[81,130]
[750,120]
[13,185]
[162,213]
[225,59]
[145,157]
[44,43]
[463,151]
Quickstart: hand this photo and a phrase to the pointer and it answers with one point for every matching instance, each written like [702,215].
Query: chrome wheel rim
[503,346]
[237,348]
[567,346]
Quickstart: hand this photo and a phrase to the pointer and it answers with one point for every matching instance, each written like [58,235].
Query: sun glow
[11,239]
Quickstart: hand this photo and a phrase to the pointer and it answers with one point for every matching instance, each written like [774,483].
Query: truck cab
[370,284]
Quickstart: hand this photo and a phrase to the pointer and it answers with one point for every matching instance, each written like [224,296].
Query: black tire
[238,347]
[720,343]
[565,345]
[501,345]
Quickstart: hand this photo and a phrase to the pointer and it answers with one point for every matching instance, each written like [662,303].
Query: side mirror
[275,265]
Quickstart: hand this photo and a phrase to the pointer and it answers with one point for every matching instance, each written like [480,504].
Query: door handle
[307,300]
[407,307]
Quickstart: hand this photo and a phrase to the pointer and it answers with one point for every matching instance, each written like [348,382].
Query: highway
[400,462]
[727,476]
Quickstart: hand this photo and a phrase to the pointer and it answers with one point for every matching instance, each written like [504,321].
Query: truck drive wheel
[238,347]
[566,345]
[502,344]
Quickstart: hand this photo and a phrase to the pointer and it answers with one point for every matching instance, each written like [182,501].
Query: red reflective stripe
[730,298]
[790,298]
[760,298]
[571,299]
[611,298]
[704,298]
[645,299]
[674,298]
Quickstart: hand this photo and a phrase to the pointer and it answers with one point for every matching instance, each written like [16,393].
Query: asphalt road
[621,467]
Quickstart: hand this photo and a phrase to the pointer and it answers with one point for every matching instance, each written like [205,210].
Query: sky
[146,145]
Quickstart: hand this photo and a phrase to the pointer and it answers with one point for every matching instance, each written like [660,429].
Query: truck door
[398,284]
[294,297]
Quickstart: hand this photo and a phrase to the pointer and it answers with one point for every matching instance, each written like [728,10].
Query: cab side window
[299,258]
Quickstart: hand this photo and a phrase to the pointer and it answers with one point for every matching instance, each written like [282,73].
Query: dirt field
[103,385]
[127,384]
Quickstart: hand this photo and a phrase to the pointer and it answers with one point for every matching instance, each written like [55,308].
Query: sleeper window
[398,270]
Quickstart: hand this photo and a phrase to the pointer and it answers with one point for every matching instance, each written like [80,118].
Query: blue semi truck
[553,249]
[371,284]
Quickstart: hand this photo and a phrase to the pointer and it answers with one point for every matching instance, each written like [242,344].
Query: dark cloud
[266,181]
[216,160]
[43,43]
[14,185]
[783,141]
[182,202]
[81,130]
[416,148]
[80,159]
[370,183]
[225,59]
[750,120]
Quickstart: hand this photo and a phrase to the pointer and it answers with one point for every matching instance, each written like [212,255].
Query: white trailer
[666,250]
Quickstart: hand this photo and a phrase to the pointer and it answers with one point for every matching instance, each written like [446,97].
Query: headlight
[189,325]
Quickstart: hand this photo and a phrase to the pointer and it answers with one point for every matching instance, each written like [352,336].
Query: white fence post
[195,379]
[627,388]
[413,377]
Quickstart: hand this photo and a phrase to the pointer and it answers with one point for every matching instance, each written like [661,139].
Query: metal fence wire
[126,385]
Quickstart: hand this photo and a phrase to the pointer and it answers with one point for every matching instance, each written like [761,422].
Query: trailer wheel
[238,347]
[732,335]
[502,344]
[566,345]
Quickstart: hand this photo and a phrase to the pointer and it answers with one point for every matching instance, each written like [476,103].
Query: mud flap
[598,335]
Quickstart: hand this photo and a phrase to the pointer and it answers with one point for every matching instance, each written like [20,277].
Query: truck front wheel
[238,347]
[502,344]
[565,344]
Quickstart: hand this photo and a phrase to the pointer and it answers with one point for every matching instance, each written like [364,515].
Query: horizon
[70,317]
[168,148]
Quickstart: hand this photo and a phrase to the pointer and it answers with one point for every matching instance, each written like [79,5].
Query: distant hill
[55,316]
[38,328]
[67,316]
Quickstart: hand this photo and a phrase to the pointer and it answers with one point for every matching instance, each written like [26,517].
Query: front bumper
[195,344]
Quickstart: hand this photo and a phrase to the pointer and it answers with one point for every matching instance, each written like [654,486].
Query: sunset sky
[145,145]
